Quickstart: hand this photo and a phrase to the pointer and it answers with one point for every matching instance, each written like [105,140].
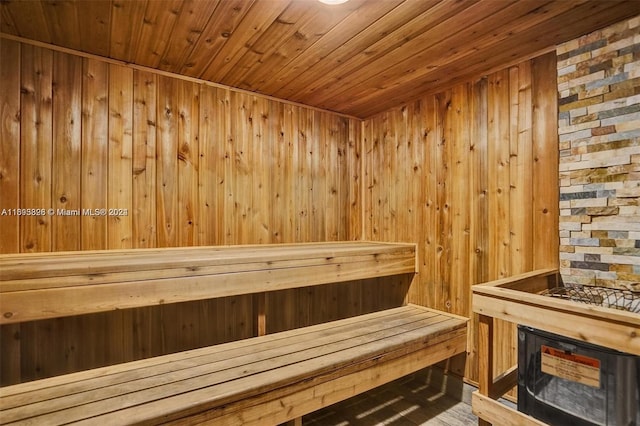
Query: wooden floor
[414,400]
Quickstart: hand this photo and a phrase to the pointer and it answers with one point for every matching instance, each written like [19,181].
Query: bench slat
[344,347]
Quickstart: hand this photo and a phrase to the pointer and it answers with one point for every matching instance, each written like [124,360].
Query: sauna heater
[562,381]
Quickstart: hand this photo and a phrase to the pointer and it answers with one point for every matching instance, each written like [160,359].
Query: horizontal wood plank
[499,414]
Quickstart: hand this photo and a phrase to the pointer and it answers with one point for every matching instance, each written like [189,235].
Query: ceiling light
[333,1]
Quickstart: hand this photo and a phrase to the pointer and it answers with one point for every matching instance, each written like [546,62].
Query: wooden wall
[190,163]
[187,164]
[470,174]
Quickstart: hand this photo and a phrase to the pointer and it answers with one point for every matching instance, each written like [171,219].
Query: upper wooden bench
[48,285]
[263,380]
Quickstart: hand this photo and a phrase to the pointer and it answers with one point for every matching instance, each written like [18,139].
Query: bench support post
[260,303]
[485,358]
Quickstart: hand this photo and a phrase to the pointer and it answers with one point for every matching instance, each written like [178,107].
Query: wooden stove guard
[517,299]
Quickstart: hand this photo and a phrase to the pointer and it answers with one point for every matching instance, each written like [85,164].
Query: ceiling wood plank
[188,29]
[156,33]
[255,22]
[215,35]
[6,21]
[126,22]
[62,20]
[290,22]
[95,34]
[29,19]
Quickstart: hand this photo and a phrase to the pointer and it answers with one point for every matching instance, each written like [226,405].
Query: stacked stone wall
[599,138]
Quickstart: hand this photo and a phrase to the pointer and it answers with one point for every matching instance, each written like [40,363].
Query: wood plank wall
[470,175]
[186,164]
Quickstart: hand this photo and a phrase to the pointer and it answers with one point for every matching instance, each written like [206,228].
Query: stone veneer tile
[615,226]
[595,60]
[581,72]
[567,70]
[590,265]
[629,269]
[571,226]
[624,244]
[614,103]
[608,146]
[594,92]
[568,46]
[631,66]
[616,112]
[586,48]
[570,278]
[574,60]
[622,259]
[588,202]
[605,130]
[602,66]
[620,44]
[591,257]
[634,73]
[629,210]
[596,163]
[618,234]
[620,151]
[578,195]
[606,81]
[568,99]
[593,249]
[581,116]
[628,192]
[578,112]
[621,92]
[628,126]
[591,242]
[578,129]
[601,211]
[581,103]
[629,49]
[621,119]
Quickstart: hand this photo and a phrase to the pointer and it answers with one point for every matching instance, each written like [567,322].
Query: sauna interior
[458,149]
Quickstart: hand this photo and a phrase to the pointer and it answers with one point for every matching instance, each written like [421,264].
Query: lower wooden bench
[258,381]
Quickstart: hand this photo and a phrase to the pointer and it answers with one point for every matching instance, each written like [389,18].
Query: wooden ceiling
[358,58]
